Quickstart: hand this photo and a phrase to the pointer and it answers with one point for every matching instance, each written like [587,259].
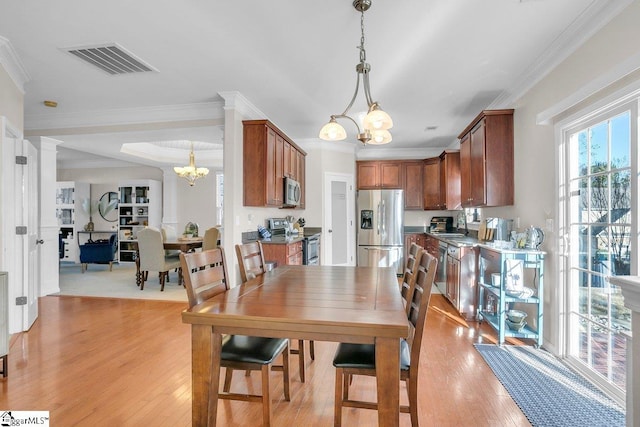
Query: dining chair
[211,236]
[409,275]
[359,359]
[205,276]
[169,233]
[152,257]
[252,264]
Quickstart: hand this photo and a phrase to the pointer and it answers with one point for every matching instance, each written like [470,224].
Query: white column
[170,198]
[630,286]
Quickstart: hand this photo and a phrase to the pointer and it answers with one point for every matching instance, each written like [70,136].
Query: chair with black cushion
[409,276]
[205,276]
[359,359]
[153,258]
[252,264]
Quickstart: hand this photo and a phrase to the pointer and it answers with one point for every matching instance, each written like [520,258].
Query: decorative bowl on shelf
[516,316]
[524,293]
[496,279]
[516,326]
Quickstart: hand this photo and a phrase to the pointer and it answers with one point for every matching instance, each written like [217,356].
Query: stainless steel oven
[311,250]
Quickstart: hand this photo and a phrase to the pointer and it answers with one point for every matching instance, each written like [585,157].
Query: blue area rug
[548,393]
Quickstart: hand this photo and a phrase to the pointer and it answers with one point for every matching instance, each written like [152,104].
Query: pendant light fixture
[377,123]
[191,172]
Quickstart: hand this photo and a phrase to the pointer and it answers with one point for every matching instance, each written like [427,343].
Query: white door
[338,232]
[31,201]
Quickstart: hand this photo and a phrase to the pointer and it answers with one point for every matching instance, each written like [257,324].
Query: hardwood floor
[103,361]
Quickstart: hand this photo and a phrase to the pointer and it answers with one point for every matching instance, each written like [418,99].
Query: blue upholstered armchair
[101,251]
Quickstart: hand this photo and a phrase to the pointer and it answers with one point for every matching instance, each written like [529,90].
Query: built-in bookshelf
[71,217]
[140,205]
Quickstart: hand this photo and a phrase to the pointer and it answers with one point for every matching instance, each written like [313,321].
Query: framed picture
[513,277]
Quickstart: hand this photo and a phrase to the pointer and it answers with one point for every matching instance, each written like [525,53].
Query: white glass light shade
[377,119]
[191,172]
[380,137]
[333,131]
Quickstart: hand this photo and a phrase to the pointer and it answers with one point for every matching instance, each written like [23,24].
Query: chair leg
[412,391]
[266,397]
[337,398]
[162,276]
[312,350]
[285,374]
[227,379]
[83,267]
[110,265]
[143,278]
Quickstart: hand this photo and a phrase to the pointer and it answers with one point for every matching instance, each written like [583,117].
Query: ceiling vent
[111,58]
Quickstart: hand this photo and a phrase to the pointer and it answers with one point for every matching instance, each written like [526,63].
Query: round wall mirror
[107,206]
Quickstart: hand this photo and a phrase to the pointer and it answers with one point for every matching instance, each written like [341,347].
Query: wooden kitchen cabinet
[441,181]
[283,253]
[268,156]
[412,184]
[431,183]
[374,175]
[486,160]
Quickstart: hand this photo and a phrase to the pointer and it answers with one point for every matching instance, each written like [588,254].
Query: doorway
[338,233]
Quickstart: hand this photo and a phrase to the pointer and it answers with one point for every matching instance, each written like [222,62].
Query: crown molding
[12,65]
[597,15]
[234,100]
[126,116]
[398,153]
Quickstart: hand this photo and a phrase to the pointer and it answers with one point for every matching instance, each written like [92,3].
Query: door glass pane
[599,217]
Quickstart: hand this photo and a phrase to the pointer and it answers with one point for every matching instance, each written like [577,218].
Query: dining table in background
[183,245]
[322,303]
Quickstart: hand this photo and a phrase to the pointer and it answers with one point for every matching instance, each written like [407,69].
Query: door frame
[348,179]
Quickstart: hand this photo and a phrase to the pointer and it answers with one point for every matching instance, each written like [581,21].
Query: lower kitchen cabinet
[283,253]
[511,279]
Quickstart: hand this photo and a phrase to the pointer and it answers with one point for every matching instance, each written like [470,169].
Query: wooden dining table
[322,303]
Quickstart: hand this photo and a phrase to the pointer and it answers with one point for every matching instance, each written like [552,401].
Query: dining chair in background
[252,264]
[359,359]
[211,237]
[153,258]
[205,276]
[169,233]
[409,275]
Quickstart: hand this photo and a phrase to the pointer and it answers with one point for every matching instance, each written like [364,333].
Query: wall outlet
[549,224]
[517,223]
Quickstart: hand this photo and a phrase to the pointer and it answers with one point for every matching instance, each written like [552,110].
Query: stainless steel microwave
[292,192]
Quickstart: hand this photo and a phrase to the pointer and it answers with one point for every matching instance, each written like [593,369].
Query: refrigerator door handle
[379,219]
[384,218]
[380,249]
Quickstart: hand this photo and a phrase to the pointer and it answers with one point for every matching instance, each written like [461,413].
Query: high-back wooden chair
[205,276]
[409,276]
[250,260]
[252,264]
[359,359]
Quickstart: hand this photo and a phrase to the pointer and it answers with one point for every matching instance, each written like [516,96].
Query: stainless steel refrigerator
[380,228]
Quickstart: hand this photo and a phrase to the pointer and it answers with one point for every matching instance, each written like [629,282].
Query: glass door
[601,223]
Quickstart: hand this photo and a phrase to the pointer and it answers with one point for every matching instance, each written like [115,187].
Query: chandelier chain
[363,53]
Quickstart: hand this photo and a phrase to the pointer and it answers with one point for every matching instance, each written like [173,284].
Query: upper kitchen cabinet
[379,174]
[268,157]
[486,160]
[441,181]
[412,184]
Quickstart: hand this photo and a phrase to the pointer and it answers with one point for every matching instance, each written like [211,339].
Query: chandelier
[191,172]
[376,123]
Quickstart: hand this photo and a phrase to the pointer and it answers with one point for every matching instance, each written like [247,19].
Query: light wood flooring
[105,362]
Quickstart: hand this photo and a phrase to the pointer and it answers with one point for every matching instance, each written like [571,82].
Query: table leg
[388,381]
[205,374]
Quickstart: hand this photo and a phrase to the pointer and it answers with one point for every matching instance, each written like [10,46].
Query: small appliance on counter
[441,224]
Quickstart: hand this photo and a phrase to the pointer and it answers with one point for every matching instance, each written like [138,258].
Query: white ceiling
[434,63]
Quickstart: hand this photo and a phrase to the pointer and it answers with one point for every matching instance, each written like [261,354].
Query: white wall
[11,100]
[535,145]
